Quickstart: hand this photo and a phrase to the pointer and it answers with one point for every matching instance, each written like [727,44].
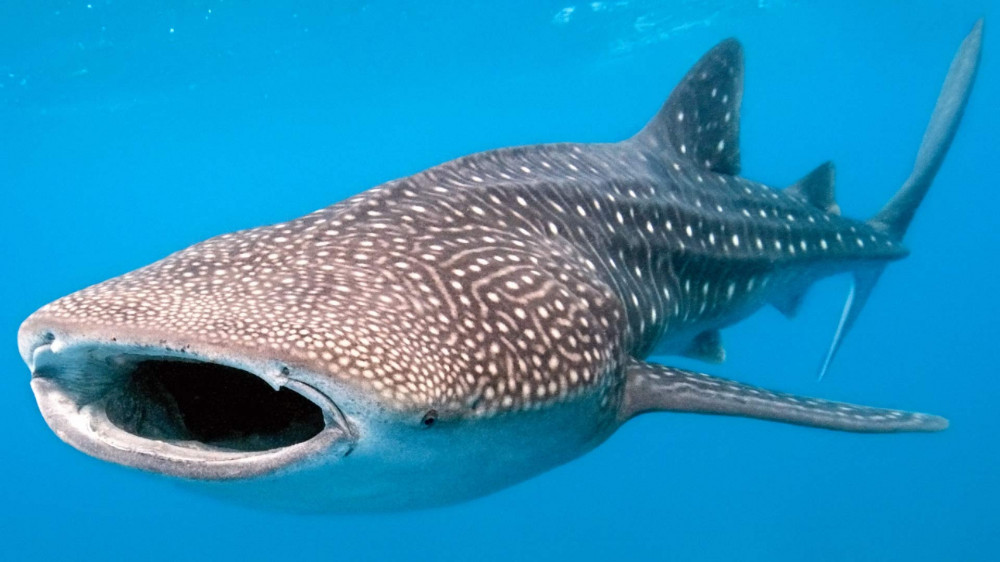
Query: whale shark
[446,335]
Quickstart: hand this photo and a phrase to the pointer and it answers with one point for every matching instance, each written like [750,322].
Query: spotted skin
[462,289]
[513,293]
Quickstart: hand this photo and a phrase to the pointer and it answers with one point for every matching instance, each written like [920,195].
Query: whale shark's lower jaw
[171,412]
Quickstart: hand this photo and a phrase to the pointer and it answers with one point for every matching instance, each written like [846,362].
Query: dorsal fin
[817,188]
[701,120]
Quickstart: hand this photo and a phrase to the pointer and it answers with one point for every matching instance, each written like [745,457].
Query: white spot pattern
[501,281]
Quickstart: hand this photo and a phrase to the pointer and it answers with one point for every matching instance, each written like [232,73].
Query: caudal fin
[897,214]
[895,217]
[861,288]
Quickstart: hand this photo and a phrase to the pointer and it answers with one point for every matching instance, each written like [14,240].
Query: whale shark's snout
[175,409]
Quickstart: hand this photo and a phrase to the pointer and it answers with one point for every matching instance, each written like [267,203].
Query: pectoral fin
[657,388]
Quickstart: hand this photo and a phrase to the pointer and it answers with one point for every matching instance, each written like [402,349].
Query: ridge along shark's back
[454,332]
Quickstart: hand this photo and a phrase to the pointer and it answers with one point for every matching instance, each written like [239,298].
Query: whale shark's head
[226,360]
[283,352]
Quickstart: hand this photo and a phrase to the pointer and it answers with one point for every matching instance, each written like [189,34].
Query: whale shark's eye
[430,418]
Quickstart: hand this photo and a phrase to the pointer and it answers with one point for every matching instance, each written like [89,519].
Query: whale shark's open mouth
[173,413]
[208,404]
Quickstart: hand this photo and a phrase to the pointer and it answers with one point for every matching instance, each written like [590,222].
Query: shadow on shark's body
[445,335]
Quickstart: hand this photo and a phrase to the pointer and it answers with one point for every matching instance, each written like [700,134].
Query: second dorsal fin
[817,188]
[700,122]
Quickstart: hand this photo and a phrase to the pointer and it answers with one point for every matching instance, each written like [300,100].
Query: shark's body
[451,333]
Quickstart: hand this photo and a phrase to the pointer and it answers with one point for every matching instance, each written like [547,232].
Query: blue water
[131,129]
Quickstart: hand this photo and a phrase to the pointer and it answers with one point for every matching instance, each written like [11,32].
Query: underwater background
[129,130]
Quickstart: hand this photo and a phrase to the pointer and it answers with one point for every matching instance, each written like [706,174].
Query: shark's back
[682,247]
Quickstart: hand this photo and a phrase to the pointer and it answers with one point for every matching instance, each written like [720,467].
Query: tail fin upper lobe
[895,217]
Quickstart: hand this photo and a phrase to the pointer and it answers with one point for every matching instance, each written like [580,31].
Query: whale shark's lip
[91,395]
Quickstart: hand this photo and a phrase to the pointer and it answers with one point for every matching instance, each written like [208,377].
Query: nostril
[46,339]
[31,342]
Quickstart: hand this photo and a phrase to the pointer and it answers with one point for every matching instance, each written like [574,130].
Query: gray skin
[445,335]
